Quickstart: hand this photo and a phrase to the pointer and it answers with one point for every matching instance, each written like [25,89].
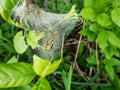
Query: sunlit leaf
[44,67]
[88,13]
[26,87]
[100,5]
[39,64]
[109,51]
[12,60]
[112,61]
[95,27]
[33,38]
[102,39]
[42,84]
[16,74]
[116,81]
[115,14]
[88,3]
[104,19]
[19,43]
[6,7]
[114,40]
[116,3]
[110,71]
[90,35]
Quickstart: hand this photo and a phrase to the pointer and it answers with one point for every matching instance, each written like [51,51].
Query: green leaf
[12,60]
[88,13]
[33,38]
[92,59]
[16,74]
[112,61]
[27,87]
[116,82]
[67,80]
[6,7]
[102,39]
[39,64]
[116,3]
[44,67]
[88,3]
[80,51]
[1,34]
[110,51]
[110,71]
[90,35]
[99,5]
[115,15]
[42,84]
[95,27]
[114,40]
[107,88]
[104,20]
[19,43]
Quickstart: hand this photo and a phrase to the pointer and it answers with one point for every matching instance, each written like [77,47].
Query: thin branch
[82,74]
[62,47]
[79,42]
[97,57]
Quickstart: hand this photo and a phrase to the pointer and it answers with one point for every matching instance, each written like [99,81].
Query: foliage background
[85,74]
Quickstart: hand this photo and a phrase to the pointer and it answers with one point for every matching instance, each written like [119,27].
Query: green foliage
[19,43]
[63,6]
[102,39]
[67,78]
[95,27]
[110,71]
[42,84]
[92,59]
[6,44]
[22,72]
[6,7]
[44,67]
[115,16]
[15,74]
[114,40]
[102,21]
[101,27]
[88,13]
[26,87]
[33,38]
[88,3]
[100,5]
[12,60]
[90,35]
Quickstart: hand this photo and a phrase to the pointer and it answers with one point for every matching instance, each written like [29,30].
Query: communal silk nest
[54,25]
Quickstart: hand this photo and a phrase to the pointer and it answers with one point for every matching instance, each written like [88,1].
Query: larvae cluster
[54,25]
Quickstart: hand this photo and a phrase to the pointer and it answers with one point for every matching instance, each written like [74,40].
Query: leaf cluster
[102,25]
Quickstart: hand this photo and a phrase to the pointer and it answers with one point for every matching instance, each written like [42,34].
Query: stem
[75,59]
[97,57]
[62,47]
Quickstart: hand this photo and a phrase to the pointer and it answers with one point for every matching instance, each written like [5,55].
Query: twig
[75,59]
[97,57]
[79,42]
[62,47]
